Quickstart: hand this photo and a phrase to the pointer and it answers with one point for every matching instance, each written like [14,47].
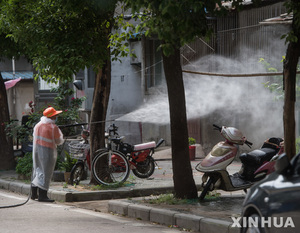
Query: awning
[22,75]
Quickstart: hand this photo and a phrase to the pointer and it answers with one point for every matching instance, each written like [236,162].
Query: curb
[64,196]
[170,217]
[17,187]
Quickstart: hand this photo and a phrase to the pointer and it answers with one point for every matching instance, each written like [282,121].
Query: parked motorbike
[140,156]
[255,164]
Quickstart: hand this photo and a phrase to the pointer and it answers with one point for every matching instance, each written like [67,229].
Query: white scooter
[215,163]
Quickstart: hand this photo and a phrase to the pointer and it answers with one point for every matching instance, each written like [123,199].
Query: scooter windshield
[219,151]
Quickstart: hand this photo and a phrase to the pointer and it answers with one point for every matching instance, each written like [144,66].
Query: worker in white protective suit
[46,137]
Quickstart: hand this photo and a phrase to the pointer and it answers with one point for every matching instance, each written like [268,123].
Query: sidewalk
[209,216]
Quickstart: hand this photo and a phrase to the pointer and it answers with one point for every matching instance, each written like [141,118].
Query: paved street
[42,217]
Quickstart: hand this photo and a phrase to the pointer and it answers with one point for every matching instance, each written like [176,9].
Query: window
[88,75]
[154,65]
[91,78]
[44,86]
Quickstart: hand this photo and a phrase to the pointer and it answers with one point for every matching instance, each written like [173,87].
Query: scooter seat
[257,157]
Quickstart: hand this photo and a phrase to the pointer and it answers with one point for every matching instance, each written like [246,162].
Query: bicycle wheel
[144,169]
[77,173]
[115,173]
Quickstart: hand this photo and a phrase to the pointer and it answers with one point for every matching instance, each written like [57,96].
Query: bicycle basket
[78,150]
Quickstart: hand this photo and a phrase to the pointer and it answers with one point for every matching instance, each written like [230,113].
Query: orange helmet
[50,112]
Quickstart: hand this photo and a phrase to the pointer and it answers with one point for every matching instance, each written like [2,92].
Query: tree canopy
[59,37]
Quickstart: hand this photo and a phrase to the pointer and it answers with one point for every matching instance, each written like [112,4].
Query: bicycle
[80,150]
[109,166]
[112,165]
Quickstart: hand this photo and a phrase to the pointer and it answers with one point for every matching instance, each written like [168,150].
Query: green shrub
[17,132]
[68,163]
[24,165]
[192,141]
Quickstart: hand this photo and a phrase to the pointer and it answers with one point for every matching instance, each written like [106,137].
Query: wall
[125,96]
[128,93]
[23,92]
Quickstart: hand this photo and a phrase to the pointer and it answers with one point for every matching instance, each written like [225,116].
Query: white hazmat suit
[46,137]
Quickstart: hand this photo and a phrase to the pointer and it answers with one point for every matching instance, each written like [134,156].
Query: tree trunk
[184,184]
[99,109]
[290,69]
[6,145]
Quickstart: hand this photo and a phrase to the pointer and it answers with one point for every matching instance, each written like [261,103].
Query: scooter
[215,163]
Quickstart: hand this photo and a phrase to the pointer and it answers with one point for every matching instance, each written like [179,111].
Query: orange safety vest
[47,135]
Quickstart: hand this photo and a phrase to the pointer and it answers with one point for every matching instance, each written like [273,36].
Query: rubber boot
[34,194]
[43,196]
